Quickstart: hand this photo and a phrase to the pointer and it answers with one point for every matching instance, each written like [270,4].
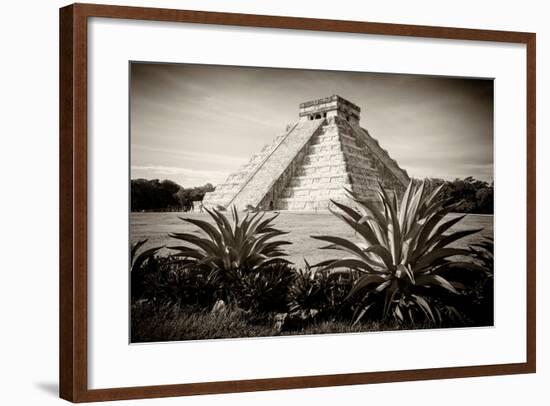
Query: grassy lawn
[153,323]
[156,227]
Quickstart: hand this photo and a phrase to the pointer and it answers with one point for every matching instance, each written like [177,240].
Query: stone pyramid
[311,163]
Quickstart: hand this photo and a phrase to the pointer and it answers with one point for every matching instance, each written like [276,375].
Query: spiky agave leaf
[483,254]
[137,261]
[247,243]
[404,248]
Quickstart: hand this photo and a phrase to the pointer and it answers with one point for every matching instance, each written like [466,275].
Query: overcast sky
[197,123]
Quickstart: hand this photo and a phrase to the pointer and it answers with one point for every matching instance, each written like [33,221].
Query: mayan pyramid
[312,162]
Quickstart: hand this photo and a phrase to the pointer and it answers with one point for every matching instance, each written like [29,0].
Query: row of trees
[166,195]
[476,196]
[155,195]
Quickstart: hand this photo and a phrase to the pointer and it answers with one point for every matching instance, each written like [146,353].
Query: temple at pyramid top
[328,107]
[311,163]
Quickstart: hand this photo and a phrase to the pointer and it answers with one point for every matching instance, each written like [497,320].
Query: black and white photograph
[280,202]
[275,203]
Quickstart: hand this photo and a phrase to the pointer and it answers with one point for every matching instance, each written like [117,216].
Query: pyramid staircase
[248,186]
[321,175]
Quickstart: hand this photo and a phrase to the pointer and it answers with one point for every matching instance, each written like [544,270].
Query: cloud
[185,155]
[183,176]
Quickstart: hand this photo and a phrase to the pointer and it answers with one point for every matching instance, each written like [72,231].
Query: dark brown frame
[73,202]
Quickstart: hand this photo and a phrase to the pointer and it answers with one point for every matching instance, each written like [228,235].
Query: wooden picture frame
[73,199]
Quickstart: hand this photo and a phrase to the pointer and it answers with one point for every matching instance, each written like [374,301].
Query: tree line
[155,195]
[165,195]
[477,196]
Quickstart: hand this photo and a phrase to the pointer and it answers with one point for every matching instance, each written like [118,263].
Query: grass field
[153,323]
[156,227]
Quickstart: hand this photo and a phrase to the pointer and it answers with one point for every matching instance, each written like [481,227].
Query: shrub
[483,289]
[141,267]
[402,256]
[183,284]
[476,302]
[320,294]
[265,290]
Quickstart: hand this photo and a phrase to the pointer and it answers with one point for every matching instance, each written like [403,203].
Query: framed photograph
[255,202]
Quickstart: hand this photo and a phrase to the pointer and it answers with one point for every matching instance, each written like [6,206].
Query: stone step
[288,191]
[305,194]
[334,158]
[325,139]
[325,143]
[306,205]
[313,203]
[302,181]
[313,196]
[319,148]
[333,166]
[322,171]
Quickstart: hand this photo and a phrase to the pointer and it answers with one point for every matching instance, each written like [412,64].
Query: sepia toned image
[278,202]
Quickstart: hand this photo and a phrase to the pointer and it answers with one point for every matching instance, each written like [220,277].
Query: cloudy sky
[197,123]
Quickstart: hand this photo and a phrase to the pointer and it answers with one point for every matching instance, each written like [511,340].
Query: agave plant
[404,250]
[245,245]
[141,265]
